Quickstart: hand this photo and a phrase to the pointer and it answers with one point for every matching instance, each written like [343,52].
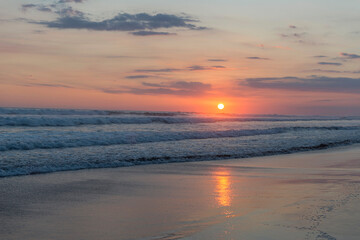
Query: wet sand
[313,195]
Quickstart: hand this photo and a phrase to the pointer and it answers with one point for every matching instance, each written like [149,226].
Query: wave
[29,140]
[75,112]
[60,121]
[94,161]
[48,140]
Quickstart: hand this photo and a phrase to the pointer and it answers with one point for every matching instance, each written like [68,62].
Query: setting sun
[220,106]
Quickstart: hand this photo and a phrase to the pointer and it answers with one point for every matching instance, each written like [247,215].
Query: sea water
[48,140]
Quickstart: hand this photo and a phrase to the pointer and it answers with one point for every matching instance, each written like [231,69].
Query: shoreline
[310,195]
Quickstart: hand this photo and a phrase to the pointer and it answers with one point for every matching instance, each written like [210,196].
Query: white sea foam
[14,163]
[45,139]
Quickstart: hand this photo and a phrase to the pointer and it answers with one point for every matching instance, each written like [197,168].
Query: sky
[254,56]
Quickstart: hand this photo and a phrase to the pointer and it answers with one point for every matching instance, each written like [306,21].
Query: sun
[220,106]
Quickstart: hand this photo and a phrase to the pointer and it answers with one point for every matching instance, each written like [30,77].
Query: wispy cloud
[298,35]
[138,76]
[180,88]
[333,71]
[160,70]
[38,7]
[25,7]
[197,86]
[258,58]
[264,46]
[49,7]
[46,85]
[44,9]
[69,1]
[350,55]
[151,33]
[129,57]
[217,60]
[323,100]
[190,68]
[313,83]
[39,31]
[330,63]
[202,68]
[298,38]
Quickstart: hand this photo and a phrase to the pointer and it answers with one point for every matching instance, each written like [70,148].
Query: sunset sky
[255,56]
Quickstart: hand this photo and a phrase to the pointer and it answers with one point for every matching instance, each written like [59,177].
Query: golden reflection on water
[223,188]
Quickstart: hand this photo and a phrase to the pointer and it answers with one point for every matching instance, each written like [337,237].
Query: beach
[164,120]
[310,195]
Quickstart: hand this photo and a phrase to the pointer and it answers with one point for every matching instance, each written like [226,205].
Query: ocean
[36,141]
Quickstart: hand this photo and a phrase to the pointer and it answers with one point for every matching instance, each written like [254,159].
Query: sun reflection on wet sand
[223,188]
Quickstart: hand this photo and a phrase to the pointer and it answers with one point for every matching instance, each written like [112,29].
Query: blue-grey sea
[48,140]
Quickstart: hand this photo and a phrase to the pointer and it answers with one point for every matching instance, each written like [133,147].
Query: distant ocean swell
[48,140]
[73,120]
[64,112]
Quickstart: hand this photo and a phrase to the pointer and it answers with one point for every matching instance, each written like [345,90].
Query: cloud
[330,63]
[312,84]
[152,84]
[38,31]
[161,70]
[44,9]
[25,7]
[180,88]
[129,57]
[258,58]
[264,46]
[194,86]
[69,12]
[334,71]
[47,85]
[137,76]
[142,23]
[297,35]
[350,55]
[148,91]
[320,56]
[69,1]
[217,60]
[181,85]
[201,68]
[293,35]
[197,68]
[39,7]
[323,100]
[190,68]
[151,33]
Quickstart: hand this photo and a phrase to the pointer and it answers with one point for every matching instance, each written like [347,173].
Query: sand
[313,195]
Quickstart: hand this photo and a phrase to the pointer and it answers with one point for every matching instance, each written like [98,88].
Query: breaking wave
[28,140]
